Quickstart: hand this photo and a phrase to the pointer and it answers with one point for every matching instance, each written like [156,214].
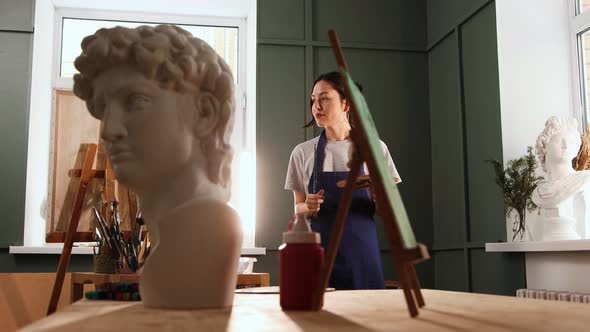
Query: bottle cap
[301,232]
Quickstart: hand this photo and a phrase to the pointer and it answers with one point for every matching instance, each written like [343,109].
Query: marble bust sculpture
[563,196]
[165,101]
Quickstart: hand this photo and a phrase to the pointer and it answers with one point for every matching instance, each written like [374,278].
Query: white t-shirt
[336,158]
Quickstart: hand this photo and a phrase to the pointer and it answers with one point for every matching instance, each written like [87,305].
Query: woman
[315,167]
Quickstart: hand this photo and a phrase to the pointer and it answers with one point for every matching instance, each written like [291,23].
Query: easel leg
[403,259]
[405,281]
[65,212]
[407,277]
[66,253]
[415,284]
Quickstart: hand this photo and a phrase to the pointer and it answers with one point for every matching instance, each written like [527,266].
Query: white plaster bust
[165,100]
[563,195]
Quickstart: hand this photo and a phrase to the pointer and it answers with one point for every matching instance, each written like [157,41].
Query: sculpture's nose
[113,122]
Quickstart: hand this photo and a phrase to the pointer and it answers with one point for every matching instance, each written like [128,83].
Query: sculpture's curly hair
[177,61]
[554,125]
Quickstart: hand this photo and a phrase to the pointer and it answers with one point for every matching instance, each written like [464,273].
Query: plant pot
[517,231]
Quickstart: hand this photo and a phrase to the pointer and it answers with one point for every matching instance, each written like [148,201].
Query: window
[223,39]
[58,33]
[71,26]
[222,34]
[582,6]
[580,32]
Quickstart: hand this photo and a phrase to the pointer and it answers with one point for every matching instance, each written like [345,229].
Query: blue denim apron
[358,261]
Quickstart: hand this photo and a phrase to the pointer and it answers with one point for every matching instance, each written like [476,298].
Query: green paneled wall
[466,131]
[445,15]
[448,181]
[16,15]
[280,118]
[395,23]
[483,125]
[382,56]
[497,273]
[449,270]
[15,75]
[281,19]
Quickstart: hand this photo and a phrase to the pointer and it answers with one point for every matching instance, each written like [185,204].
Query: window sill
[55,249]
[539,246]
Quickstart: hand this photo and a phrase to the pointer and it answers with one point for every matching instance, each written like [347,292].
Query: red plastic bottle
[301,260]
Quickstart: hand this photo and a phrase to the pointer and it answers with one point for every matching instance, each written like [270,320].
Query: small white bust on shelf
[166,103]
[564,195]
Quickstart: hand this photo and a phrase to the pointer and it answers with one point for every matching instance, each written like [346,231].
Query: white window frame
[578,24]
[240,130]
[45,77]
[61,13]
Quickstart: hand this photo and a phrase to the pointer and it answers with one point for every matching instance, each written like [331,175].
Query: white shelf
[569,245]
[256,251]
[53,249]
[50,249]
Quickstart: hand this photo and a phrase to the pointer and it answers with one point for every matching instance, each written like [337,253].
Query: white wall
[535,73]
[534,69]
[39,125]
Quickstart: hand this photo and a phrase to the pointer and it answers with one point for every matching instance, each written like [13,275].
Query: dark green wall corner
[465,131]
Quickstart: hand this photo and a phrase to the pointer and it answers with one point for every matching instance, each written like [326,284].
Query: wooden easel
[64,260]
[102,183]
[404,249]
[86,173]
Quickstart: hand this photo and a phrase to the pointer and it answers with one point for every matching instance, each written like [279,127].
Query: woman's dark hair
[337,82]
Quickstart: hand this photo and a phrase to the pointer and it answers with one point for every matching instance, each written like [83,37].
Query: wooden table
[81,278]
[377,310]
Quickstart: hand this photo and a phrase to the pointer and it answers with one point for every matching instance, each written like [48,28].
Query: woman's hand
[314,201]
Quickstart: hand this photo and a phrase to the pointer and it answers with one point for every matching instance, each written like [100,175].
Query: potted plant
[517,181]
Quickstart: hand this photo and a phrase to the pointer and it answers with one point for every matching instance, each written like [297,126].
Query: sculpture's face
[562,148]
[146,136]
[326,105]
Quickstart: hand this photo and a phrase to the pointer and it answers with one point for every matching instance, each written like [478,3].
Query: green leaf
[517,181]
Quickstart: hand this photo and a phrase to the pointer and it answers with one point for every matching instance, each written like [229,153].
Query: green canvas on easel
[367,125]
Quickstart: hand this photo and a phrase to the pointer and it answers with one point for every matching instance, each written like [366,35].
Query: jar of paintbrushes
[105,260]
[117,252]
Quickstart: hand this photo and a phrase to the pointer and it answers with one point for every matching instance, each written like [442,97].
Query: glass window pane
[582,6]
[223,39]
[584,64]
